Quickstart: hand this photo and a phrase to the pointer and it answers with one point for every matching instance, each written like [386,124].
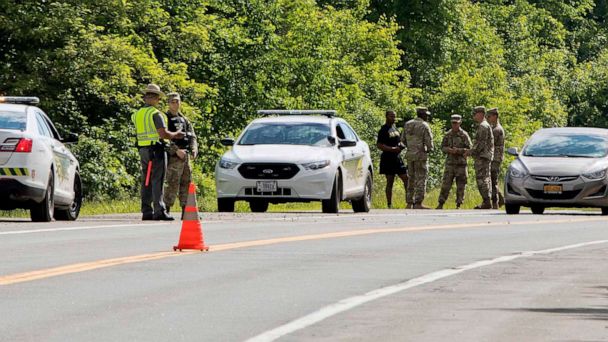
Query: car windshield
[568,145]
[12,120]
[286,134]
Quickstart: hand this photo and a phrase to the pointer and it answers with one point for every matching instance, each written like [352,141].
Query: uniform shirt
[499,142]
[459,139]
[389,135]
[418,139]
[179,122]
[484,142]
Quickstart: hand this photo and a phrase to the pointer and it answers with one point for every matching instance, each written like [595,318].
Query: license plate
[267,186]
[553,189]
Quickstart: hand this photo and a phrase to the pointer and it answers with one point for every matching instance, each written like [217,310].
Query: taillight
[17,145]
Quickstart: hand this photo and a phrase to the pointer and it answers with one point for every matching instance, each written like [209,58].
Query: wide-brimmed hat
[153,89]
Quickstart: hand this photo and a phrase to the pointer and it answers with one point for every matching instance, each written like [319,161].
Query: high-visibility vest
[144,126]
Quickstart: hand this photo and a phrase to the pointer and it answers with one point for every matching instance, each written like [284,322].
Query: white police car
[37,171]
[295,156]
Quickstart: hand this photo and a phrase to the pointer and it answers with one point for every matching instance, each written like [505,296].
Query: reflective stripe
[10,171]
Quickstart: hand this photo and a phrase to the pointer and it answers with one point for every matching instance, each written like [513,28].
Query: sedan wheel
[43,211]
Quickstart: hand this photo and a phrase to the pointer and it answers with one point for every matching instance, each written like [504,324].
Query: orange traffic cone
[191,236]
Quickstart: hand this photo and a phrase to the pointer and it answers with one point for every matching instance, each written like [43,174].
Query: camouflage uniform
[455,164]
[179,171]
[418,139]
[499,148]
[483,151]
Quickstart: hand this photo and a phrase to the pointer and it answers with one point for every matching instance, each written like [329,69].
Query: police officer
[418,139]
[151,128]
[181,151]
[389,142]
[482,151]
[455,143]
[498,132]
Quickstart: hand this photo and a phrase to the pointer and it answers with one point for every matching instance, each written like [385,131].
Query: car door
[357,153]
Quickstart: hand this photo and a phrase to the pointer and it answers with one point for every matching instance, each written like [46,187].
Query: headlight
[316,165]
[595,175]
[228,164]
[517,173]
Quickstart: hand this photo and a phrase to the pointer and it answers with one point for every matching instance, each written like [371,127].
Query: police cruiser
[295,156]
[37,171]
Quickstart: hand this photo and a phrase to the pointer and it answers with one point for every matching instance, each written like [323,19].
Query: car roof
[572,130]
[9,107]
[296,118]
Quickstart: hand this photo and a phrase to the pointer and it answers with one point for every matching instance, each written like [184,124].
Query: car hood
[277,153]
[543,166]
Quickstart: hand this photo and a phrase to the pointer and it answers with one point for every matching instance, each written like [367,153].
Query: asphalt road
[388,275]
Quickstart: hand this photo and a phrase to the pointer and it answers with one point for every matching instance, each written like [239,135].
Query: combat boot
[457,205]
[409,206]
[439,206]
[494,204]
[420,206]
[485,205]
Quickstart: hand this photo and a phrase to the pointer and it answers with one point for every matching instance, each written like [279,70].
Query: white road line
[352,302]
[47,230]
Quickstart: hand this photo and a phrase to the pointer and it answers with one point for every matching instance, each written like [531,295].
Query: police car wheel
[332,205]
[363,204]
[225,205]
[71,213]
[43,211]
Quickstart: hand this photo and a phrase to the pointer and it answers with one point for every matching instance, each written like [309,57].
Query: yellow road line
[88,266]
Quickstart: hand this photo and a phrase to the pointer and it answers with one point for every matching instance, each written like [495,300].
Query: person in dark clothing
[389,142]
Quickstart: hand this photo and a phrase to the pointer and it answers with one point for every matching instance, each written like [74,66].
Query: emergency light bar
[29,100]
[328,113]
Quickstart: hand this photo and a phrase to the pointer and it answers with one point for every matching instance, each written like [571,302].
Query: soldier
[455,143]
[389,142]
[498,199]
[181,152]
[418,139]
[482,151]
[151,128]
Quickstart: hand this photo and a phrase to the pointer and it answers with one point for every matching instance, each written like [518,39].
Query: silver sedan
[559,167]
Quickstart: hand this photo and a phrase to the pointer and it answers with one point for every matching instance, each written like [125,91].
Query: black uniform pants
[152,195]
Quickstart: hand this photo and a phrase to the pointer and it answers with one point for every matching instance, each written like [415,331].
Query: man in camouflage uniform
[455,143]
[482,151]
[498,199]
[418,139]
[181,151]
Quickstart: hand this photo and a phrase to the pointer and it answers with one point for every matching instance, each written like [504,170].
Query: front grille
[555,179]
[540,194]
[279,192]
[268,170]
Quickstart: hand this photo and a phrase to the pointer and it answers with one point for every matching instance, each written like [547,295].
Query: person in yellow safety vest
[152,136]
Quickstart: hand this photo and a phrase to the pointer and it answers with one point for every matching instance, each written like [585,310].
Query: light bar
[30,100]
[325,112]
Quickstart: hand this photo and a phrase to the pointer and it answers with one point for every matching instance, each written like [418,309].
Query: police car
[37,171]
[295,156]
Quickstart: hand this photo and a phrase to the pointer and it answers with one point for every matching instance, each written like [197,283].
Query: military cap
[173,96]
[153,89]
[422,110]
[479,109]
[493,111]
[456,118]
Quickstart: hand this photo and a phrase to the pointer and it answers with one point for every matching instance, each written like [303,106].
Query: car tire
[537,209]
[332,205]
[71,214]
[225,205]
[43,211]
[512,209]
[363,204]
[605,211]
[258,206]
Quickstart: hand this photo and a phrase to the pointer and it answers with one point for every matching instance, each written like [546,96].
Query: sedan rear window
[568,145]
[286,134]
[12,120]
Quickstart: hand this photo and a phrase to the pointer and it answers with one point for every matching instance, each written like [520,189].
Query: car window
[286,134]
[348,132]
[43,129]
[13,120]
[340,132]
[567,145]
[51,127]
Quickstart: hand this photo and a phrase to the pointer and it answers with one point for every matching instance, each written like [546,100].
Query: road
[390,275]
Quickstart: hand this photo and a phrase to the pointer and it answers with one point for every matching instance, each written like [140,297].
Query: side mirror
[227,141]
[71,138]
[513,151]
[332,140]
[347,143]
